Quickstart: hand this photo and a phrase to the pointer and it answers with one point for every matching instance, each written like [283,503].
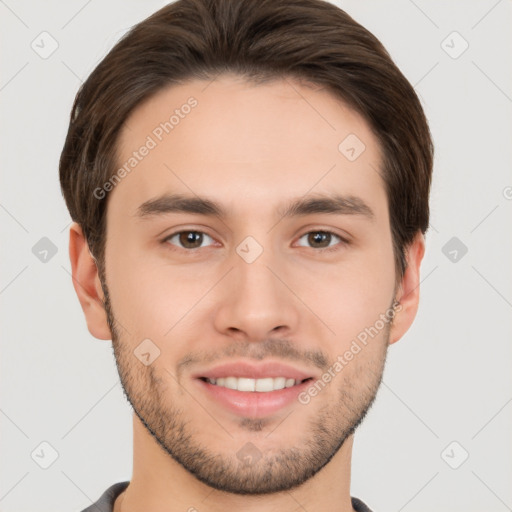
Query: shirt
[107,499]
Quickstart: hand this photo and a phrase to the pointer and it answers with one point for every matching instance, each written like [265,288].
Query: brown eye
[188,239]
[320,239]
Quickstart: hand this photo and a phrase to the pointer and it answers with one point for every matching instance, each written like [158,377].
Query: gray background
[447,386]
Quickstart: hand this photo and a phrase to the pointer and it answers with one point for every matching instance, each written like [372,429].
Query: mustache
[280,348]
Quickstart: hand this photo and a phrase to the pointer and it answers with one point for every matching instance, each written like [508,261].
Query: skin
[253,149]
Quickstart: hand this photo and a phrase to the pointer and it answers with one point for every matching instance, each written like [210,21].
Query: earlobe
[87,283]
[408,294]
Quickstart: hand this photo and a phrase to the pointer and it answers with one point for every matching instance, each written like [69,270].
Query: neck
[160,483]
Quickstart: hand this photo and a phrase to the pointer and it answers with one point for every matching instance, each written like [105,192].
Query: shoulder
[106,501]
[360,506]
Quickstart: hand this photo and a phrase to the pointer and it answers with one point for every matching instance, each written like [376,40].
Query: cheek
[153,299]
[353,295]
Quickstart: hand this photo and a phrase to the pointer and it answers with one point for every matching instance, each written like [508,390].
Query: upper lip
[254,371]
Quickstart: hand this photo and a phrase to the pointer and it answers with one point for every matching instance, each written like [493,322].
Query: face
[249,277]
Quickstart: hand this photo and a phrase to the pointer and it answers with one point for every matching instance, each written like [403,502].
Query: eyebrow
[331,204]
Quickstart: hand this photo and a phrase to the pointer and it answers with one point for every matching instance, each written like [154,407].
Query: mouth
[252,390]
[253,398]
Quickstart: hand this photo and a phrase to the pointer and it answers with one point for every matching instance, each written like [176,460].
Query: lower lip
[254,404]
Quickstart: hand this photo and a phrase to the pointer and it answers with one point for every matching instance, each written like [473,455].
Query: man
[249,185]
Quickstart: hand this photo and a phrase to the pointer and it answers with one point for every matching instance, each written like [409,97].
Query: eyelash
[342,242]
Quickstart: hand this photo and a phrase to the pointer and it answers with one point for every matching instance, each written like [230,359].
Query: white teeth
[245,384]
[279,382]
[264,385]
[231,382]
[260,385]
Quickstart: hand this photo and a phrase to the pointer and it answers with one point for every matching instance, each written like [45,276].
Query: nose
[256,301]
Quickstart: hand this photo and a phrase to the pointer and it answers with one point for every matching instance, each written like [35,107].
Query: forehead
[239,142]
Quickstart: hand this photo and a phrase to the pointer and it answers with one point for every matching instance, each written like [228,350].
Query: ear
[408,294]
[87,284]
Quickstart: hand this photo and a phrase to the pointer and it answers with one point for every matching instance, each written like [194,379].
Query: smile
[262,385]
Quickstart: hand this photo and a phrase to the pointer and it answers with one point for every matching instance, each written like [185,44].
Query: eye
[323,240]
[189,239]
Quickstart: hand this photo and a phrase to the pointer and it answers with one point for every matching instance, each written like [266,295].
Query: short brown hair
[309,40]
